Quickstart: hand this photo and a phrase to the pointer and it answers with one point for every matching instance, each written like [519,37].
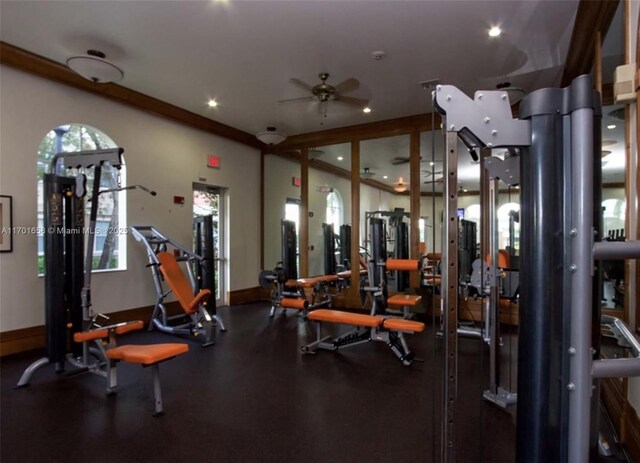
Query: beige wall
[160,154]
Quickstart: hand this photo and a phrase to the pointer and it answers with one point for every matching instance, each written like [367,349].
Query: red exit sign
[297,181]
[213,161]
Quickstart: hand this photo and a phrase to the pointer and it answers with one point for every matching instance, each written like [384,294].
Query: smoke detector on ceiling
[94,67]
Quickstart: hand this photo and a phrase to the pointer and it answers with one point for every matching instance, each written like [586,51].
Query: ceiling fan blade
[296,100]
[438,180]
[359,102]
[347,86]
[300,84]
[397,161]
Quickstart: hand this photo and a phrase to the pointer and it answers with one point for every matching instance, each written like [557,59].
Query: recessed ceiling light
[432,163]
[366,110]
[517,187]
[385,177]
[495,31]
[464,190]
[611,127]
[212,103]
[340,158]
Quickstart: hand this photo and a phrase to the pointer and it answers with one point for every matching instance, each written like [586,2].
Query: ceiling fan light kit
[271,136]
[94,67]
[323,93]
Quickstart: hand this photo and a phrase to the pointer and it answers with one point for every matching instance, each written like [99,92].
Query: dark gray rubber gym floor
[254,398]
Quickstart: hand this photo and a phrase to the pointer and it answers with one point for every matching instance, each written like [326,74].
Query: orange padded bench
[404,301]
[367,328]
[345,318]
[147,355]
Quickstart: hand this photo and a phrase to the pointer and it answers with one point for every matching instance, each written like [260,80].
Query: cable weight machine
[558,360]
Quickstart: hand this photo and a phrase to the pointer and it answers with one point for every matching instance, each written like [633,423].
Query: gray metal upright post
[581,283]
[449,293]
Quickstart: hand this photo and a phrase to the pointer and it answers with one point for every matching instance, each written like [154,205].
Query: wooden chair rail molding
[43,67]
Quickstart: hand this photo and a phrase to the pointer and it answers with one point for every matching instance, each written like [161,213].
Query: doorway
[210,200]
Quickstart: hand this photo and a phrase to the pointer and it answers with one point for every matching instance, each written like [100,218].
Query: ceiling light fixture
[495,31]
[431,163]
[400,186]
[385,177]
[611,126]
[366,110]
[340,158]
[271,136]
[94,67]
[212,103]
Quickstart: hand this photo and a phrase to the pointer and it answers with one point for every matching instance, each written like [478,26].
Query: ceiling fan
[398,160]
[366,173]
[323,92]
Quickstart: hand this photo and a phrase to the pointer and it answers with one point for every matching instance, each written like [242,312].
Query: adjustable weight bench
[366,328]
[149,355]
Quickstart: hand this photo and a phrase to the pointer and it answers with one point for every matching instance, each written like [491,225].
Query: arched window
[613,214]
[335,210]
[503,227]
[109,246]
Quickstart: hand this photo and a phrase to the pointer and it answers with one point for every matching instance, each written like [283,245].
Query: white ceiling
[243,52]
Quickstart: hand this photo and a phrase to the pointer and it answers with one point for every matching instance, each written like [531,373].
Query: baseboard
[26,339]
[248,295]
[630,437]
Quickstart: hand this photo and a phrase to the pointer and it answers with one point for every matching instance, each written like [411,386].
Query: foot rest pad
[400,324]
[404,299]
[345,318]
[147,354]
[289,303]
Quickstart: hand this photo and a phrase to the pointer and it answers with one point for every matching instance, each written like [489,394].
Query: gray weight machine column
[449,293]
[540,400]
[581,284]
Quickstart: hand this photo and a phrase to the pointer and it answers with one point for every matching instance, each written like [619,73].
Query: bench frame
[361,335]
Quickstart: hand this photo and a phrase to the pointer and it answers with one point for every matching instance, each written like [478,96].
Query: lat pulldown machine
[558,365]
[69,318]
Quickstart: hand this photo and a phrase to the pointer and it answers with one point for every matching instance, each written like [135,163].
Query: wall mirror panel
[282,192]
[329,208]
[614,202]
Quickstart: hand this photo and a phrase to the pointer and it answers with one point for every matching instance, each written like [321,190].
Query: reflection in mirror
[281,202]
[329,208]
[384,195]
[613,200]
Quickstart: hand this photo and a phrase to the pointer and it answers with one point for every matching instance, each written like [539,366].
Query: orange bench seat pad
[346,318]
[400,324]
[347,274]
[312,281]
[147,354]
[404,299]
[403,264]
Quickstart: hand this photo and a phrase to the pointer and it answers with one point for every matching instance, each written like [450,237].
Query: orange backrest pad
[177,281]
[434,256]
[503,259]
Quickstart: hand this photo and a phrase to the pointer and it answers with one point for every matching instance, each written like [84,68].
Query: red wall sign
[297,181]
[213,161]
